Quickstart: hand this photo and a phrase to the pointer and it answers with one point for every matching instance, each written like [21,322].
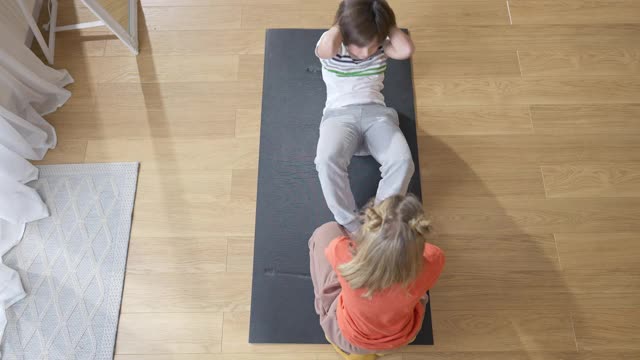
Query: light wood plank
[118,9]
[224,95]
[516,252]
[474,120]
[611,283]
[168,186]
[248,122]
[601,288]
[431,37]
[244,184]
[615,180]
[602,355]
[413,14]
[186,292]
[191,18]
[486,183]
[65,152]
[170,3]
[607,329]
[498,272]
[604,251]
[529,289]
[410,14]
[442,164]
[172,122]
[480,330]
[236,333]
[586,119]
[530,188]
[496,289]
[74,11]
[151,69]
[519,150]
[539,90]
[303,15]
[176,255]
[251,67]
[335,356]
[77,44]
[69,3]
[574,11]
[542,290]
[448,170]
[70,12]
[189,43]
[83,98]
[172,154]
[528,355]
[480,215]
[601,299]
[181,209]
[220,218]
[529,37]
[454,64]
[240,356]
[99,69]
[580,62]
[240,254]
[169,333]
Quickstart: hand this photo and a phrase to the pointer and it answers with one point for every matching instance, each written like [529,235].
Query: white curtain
[28,90]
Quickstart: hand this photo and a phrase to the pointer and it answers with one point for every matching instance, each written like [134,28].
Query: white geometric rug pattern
[72,264]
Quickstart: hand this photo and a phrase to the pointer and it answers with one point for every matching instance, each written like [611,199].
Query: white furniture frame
[129,38]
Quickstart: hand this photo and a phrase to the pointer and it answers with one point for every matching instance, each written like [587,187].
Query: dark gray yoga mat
[290,204]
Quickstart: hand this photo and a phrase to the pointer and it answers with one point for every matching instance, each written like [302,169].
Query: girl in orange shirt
[370,287]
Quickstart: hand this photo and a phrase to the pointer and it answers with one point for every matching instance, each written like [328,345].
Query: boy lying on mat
[356,120]
[370,280]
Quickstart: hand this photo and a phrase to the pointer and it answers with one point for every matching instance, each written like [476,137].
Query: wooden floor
[529,125]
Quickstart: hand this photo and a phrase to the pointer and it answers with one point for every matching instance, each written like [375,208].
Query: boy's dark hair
[364,21]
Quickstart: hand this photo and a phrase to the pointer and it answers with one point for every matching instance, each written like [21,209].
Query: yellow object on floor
[353,356]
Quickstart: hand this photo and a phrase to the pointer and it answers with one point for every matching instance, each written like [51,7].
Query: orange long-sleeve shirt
[391,317]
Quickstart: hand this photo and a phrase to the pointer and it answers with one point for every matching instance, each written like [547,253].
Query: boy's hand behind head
[364,24]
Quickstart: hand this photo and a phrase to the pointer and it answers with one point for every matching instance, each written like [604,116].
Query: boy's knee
[324,234]
[409,166]
[404,166]
[333,160]
[329,229]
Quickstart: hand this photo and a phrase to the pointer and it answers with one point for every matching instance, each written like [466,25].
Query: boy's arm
[399,45]
[329,44]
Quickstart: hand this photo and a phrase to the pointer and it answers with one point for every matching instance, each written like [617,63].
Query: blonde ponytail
[372,220]
[420,225]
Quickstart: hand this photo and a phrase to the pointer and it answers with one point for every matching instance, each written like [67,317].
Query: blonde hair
[389,246]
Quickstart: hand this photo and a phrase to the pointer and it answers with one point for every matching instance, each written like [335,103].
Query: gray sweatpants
[360,130]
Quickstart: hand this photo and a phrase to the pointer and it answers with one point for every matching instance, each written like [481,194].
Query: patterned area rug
[72,264]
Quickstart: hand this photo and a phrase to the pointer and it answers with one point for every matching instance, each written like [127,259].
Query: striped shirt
[351,81]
